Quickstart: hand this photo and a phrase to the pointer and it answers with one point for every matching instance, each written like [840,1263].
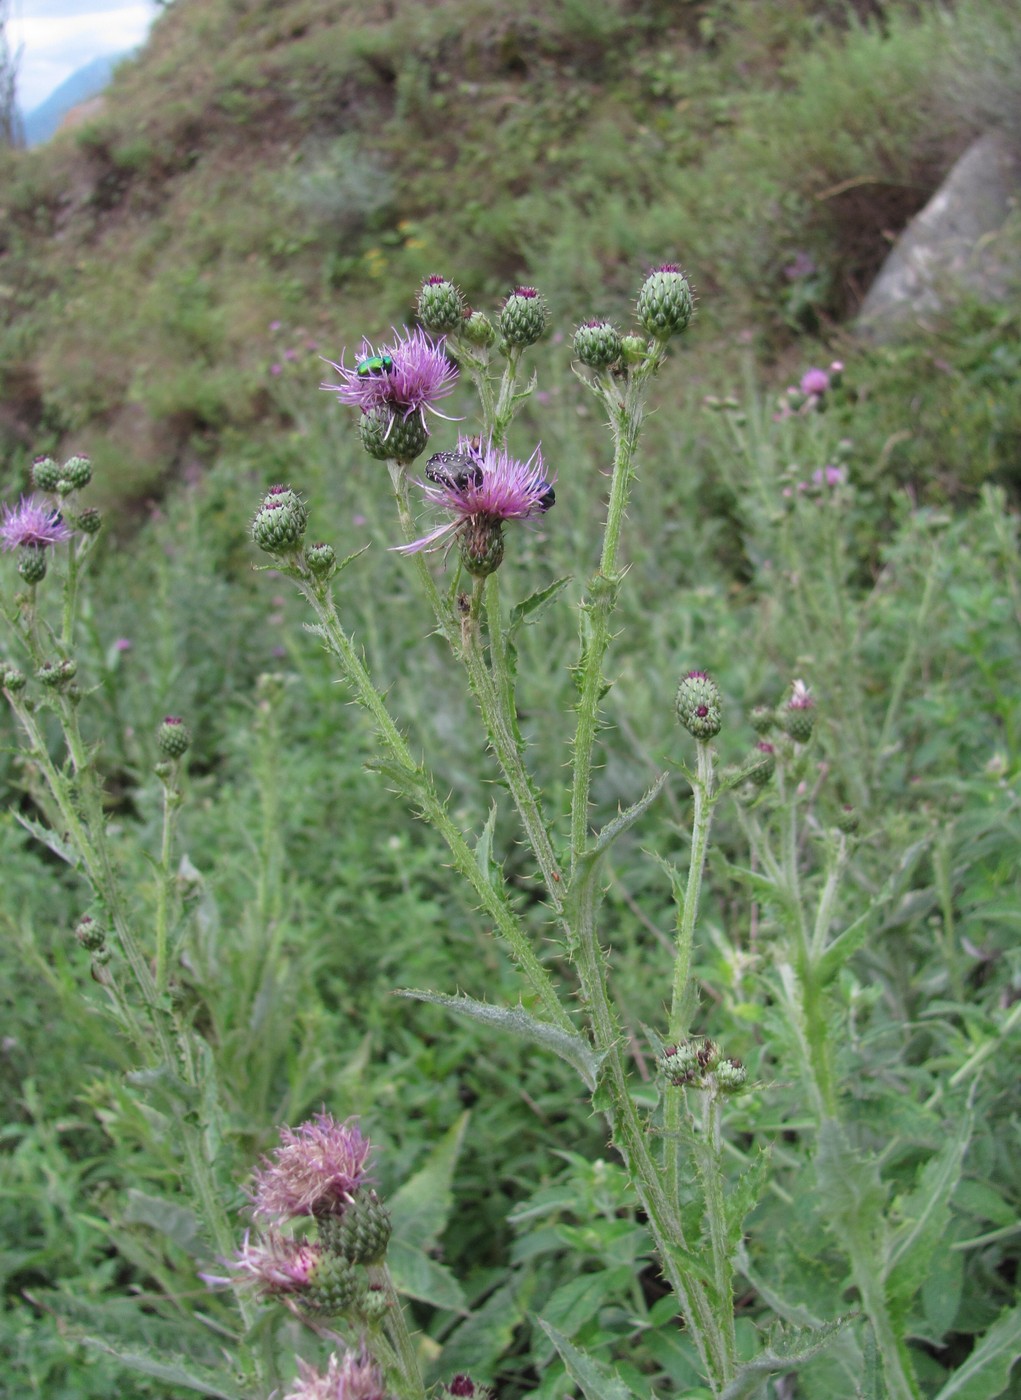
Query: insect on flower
[456,471]
[374,365]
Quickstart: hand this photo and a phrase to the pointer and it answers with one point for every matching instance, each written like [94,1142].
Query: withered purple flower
[406,377]
[272,1264]
[32,524]
[315,1171]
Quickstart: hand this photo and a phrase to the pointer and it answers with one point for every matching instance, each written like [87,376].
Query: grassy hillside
[300,162]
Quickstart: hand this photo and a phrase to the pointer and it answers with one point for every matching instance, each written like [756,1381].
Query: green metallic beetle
[375,365]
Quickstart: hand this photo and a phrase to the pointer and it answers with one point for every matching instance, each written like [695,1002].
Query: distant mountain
[43,121]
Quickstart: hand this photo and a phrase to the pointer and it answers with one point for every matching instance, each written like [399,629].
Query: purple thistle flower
[815,381]
[829,476]
[315,1171]
[272,1265]
[406,377]
[494,488]
[355,1377]
[33,523]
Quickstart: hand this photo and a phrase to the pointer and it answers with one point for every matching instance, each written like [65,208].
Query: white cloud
[57,37]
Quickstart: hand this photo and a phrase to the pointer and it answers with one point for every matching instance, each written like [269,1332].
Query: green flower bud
[524,317]
[698,705]
[334,1285]
[387,436]
[57,674]
[45,474]
[633,350]
[731,1076]
[847,820]
[280,524]
[679,1064]
[173,737]
[762,765]
[479,330]
[164,771]
[373,1306]
[77,471]
[440,305]
[665,303]
[481,544]
[90,934]
[797,717]
[762,719]
[362,1233]
[12,679]
[321,560]
[597,344]
[89,521]
[32,563]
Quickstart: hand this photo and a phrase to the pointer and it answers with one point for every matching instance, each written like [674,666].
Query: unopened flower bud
[57,674]
[388,436]
[333,1286]
[763,764]
[90,934]
[848,820]
[665,303]
[321,559]
[698,705]
[524,317]
[731,1076]
[173,737]
[361,1233]
[11,679]
[280,524]
[89,521]
[633,349]
[479,330]
[679,1064]
[597,344]
[762,719]
[32,563]
[440,305]
[464,1388]
[797,717]
[373,1305]
[481,542]
[77,471]
[45,474]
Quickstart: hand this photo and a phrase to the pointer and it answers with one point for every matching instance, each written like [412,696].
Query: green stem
[399,1336]
[164,884]
[418,786]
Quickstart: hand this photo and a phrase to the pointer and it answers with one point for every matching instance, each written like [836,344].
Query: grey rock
[967,240]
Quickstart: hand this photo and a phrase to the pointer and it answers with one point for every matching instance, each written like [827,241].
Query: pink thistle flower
[815,381]
[406,377]
[829,476]
[272,1265]
[315,1171]
[483,485]
[32,523]
[355,1377]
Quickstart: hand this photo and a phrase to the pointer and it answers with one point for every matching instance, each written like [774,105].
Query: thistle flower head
[405,377]
[274,1264]
[481,487]
[815,381]
[354,1376]
[31,523]
[315,1171]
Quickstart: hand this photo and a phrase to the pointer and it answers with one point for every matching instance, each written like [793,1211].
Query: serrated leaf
[173,1370]
[177,1223]
[625,819]
[530,609]
[573,1304]
[986,1373]
[417,1275]
[484,848]
[479,1342]
[48,838]
[421,1207]
[786,1352]
[575,1049]
[595,1379]
[745,1194]
[927,1212]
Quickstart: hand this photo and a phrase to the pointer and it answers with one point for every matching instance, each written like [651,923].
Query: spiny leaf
[986,1373]
[926,1212]
[530,609]
[786,1351]
[575,1049]
[595,1379]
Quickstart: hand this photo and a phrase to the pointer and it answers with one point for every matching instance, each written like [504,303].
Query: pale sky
[57,37]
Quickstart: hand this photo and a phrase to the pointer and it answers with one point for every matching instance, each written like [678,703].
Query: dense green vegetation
[269,182]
